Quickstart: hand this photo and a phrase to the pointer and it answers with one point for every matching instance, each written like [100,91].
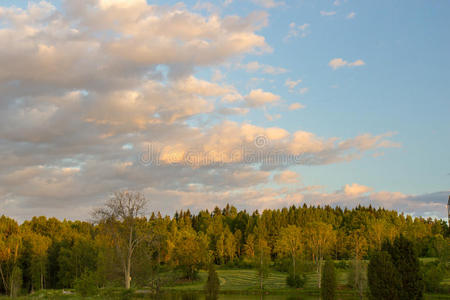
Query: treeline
[121,245]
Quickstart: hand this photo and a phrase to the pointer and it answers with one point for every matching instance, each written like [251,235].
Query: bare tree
[120,219]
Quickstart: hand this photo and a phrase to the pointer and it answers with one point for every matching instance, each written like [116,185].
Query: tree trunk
[320,272]
[3,280]
[128,273]
[261,271]
[293,263]
[128,260]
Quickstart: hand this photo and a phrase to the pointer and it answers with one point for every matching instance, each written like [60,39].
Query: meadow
[236,284]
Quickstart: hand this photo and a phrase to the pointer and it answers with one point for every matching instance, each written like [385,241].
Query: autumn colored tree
[290,243]
[10,246]
[190,252]
[49,253]
[319,238]
[38,246]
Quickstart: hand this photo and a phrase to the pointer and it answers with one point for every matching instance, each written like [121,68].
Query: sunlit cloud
[337,63]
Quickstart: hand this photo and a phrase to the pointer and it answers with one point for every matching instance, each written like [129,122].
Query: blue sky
[404,86]
[371,74]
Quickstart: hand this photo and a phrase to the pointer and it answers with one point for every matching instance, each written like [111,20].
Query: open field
[238,284]
[245,281]
[235,282]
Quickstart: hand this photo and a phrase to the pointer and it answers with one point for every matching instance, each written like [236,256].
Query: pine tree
[328,287]
[212,285]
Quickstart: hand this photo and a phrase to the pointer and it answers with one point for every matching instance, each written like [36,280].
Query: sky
[196,104]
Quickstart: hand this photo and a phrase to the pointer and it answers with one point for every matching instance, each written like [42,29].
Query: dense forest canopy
[49,253]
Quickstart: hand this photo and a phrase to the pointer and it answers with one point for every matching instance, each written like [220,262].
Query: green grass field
[246,281]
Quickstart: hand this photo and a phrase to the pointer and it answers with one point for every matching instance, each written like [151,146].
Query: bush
[343,265]
[433,274]
[296,281]
[127,294]
[86,285]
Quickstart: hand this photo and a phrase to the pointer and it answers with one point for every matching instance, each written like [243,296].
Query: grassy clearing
[245,280]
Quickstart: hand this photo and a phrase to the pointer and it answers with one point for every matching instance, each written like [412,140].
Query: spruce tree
[328,286]
[383,278]
[407,264]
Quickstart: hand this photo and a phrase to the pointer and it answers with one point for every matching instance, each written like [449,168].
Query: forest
[124,245]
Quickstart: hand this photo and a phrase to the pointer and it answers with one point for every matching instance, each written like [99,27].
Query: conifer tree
[328,287]
[383,278]
[407,264]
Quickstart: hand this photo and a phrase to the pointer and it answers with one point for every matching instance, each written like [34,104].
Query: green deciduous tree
[357,276]
[212,285]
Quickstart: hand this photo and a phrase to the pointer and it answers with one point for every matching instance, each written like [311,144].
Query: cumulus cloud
[356,189]
[287,177]
[103,95]
[259,97]
[337,63]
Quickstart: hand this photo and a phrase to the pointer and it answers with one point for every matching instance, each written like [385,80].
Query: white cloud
[291,84]
[217,76]
[327,13]
[337,63]
[303,90]
[356,189]
[357,63]
[351,15]
[297,31]
[93,78]
[207,6]
[259,97]
[287,177]
[295,106]
[255,66]
[268,3]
